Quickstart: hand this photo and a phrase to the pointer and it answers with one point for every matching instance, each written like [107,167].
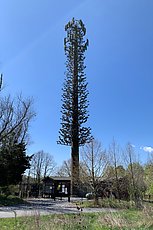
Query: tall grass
[107,203]
[125,219]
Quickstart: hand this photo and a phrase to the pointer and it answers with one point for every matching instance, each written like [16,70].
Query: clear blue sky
[119,64]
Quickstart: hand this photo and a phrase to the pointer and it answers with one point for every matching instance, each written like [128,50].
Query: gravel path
[46,207]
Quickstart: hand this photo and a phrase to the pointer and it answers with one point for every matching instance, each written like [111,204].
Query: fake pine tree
[74,98]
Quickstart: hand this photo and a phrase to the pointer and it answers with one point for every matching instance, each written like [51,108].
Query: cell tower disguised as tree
[74,98]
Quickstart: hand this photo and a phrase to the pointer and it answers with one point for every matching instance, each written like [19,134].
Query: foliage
[110,171]
[108,203]
[10,190]
[148,174]
[13,163]
[150,189]
[138,177]
[10,200]
[74,98]
[135,174]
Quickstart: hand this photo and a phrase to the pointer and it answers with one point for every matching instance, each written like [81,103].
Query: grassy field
[125,219]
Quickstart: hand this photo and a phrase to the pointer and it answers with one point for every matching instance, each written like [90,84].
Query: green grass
[125,219]
[107,203]
[10,200]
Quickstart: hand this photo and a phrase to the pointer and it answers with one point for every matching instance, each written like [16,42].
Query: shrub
[10,200]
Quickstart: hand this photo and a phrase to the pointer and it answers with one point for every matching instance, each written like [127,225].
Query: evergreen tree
[74,98]
[13,163]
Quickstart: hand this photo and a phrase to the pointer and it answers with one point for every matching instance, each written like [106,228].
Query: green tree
[109,172]
[148,171]
[135,175]
[13,163]
[74,98]
[119,180]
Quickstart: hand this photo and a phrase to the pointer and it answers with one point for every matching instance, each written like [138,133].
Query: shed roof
[57,178]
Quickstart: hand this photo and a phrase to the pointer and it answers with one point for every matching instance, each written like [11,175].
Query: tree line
[104,172]
[116,170]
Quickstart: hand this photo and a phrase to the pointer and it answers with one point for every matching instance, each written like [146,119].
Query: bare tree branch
[15,116]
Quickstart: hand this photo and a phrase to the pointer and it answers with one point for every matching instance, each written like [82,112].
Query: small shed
[56,187]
